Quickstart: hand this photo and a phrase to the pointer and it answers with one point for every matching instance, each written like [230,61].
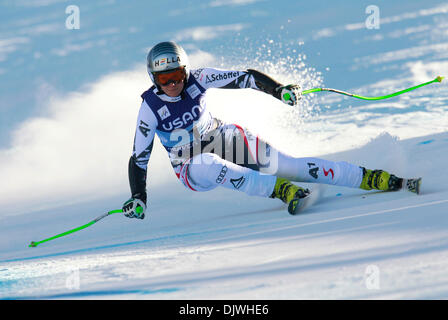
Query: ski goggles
[172,76]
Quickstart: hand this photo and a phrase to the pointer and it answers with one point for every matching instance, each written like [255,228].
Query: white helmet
[166,56]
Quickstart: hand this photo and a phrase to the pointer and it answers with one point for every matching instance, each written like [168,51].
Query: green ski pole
[36,243]
[438,79]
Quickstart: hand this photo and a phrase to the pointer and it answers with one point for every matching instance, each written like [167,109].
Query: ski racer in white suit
[206,153]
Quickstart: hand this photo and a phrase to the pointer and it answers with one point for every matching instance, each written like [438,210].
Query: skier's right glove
[289,94]
[134,208]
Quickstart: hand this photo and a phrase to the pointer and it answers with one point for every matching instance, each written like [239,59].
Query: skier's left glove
[134,208]
[289,94]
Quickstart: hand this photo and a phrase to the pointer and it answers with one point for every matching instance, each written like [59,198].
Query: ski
[412,185]
[298,205]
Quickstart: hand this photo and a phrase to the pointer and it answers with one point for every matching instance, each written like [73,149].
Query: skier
[206,153]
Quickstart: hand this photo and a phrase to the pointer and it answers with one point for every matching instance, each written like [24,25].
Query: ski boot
[382,180]
[290,194]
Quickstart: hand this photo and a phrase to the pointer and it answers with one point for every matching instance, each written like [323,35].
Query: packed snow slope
[69,101]
[350,244]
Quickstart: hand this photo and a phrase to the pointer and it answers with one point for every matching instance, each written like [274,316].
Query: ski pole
[438,79]
[35,243]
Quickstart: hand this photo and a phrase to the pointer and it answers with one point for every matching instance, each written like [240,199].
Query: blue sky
[40,58]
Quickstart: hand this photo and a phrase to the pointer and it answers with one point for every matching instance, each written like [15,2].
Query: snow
[67,164]
[243,248]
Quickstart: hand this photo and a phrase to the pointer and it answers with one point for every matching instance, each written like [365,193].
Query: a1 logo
[313,170]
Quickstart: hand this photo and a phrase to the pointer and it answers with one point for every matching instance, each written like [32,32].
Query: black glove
[135,207]
[289,94]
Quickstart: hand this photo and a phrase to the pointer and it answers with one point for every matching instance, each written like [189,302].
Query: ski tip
[440,78]
[297,205]
[419,183]
[32,244]
[413,185]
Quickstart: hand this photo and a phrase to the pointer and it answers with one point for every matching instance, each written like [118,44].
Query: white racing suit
[206,153]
